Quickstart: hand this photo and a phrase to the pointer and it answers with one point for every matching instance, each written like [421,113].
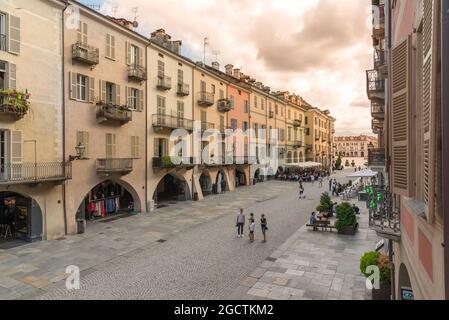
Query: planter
[349,230]
[382,294]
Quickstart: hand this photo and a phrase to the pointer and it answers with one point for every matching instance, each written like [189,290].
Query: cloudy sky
[318,49]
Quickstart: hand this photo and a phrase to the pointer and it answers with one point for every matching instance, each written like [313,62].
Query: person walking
[240,223]
[301,191]
[252,228]
[264,226]
[320,179]
[330,185]
[312,178]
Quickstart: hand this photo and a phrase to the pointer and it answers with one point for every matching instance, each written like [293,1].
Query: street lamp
[80,149]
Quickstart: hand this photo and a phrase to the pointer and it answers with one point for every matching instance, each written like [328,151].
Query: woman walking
[252,228]
[264,226]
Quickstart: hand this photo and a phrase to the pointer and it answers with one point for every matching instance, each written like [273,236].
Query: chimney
[124,22]
[267,89]
[229,68]
[237,73]
[176,46]
[216,65]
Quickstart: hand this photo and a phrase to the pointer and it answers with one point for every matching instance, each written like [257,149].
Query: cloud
[318,49]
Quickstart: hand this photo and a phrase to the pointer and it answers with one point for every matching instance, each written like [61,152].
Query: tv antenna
[95,7]
[216,54]
[135,10]
[114,10]
[206,43]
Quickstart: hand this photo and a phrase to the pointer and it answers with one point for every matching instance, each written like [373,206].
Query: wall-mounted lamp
[80,149]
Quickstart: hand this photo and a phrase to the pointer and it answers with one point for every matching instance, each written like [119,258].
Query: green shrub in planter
[379,260]
[325,203]
[166,162]
[345,216]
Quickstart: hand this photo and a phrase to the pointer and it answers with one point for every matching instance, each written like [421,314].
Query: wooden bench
[324,225]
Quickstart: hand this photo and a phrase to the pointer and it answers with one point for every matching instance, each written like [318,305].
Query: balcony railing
[378,20]
[137,73]
[383,217]
[297,123]
[183,89]
[165,121]
[373,83]
[14,103]
[378,123]
[2,42]
[167,163]
[114,165]
[377,110]
[32,173]
[380,58]
[297,144]
[110,112]
[224,105]
[163,82]
[85,54]
[376,157]
[206,99]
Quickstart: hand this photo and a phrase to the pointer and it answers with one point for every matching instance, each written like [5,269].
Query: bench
[324,225]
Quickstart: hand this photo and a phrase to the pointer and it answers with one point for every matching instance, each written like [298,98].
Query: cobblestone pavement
[313,266]
[200,259]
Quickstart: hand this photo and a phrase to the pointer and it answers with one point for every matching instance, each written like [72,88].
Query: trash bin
[81,225]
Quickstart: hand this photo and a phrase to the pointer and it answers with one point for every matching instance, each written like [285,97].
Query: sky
[318,49]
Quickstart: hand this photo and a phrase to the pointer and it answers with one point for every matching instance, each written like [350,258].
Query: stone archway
[206,183]
[404,284]
[171,187]
[222,182]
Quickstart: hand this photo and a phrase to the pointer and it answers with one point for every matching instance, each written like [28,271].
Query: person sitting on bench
[356,209]
[313,221]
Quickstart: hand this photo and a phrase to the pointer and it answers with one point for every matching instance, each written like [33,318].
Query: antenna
[95,7]
[206,43]
[216,54]
[114,10]
[135,10]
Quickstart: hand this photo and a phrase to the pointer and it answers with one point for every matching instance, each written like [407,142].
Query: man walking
[240,224]
[330,185]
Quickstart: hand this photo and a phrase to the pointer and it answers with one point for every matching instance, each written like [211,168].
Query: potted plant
[383,292]
[166,162]
[346,219]
[325,204]
[347,164]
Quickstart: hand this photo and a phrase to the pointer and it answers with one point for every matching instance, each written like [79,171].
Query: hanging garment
[117,204]
[103,209]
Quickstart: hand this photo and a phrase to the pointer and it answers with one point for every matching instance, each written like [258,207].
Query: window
[134,55]
[180,76]
[160,69]
[160,105]
[110,96]
[133,99]
[289,134]
[110,145]
[3,84]
[232,101]
[306,120]
[110,46]
[221,94]
[2,32]
[246,106]
[245,125]
[82,137]
[81,87]
[289,114]
[203,86]
[234,124]
[135,152]
[255,102]
[213,88]
[276,109]
[160,147]
[262,104]
[180,113]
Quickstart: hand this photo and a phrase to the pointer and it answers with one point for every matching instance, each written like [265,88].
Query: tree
[338,162]
[353,163]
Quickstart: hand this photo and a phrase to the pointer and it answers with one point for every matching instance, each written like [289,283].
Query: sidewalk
[313,266]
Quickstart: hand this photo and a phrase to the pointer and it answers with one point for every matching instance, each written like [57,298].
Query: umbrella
[363,174]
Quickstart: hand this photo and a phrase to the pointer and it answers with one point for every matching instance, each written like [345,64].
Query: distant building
[354,146]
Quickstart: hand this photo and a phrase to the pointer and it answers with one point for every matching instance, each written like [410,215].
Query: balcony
[224,105]
[297,123]
[375,87]
[207,126]
[380,59]
[297,144]
[376,157]
[137,73]
[85,54]
[183,90]
[378,123]
[377,110]
[164,121]
[167,163]
[206,99]
[309,147]
[34,173]
[245,160]
[378,20]
[383,218]
[113,113]
[120,166]
[163,83]
[14,103]
[271,114]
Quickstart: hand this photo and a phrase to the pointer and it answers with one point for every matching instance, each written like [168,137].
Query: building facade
[354,146]
[32,167]
[411,137]
[319,136]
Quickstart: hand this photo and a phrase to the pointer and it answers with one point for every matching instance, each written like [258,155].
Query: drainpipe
[64,201]
[445,135]
[192,189]
[147,165]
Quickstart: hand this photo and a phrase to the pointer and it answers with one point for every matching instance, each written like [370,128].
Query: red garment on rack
[91,208]
[103,209]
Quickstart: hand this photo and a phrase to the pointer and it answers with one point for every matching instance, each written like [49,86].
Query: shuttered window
[429,106]
[14,35]
[135,152]
[160,69]
[16,147]
[110,46]
[12,76]
[82,33]
[82,137]
[110,145]
[400,117]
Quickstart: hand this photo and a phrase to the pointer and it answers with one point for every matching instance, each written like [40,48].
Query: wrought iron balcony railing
[206,99]
[137,73]
[120,166]
[378,123]
[297,144]
[383,217]
[380,58]
[165,121]
[2,42]
[114,113]
[297,123]
[207,126]
[376,157]
[32,173]
[163,82]
[224,105]
[85,54]
[183,89]
[377,109]
[374,84]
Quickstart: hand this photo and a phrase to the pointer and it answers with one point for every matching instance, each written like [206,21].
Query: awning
[304,165]
[363,174]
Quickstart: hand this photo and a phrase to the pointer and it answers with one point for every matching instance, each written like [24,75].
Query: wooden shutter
[103,90]
[73,85]
[91,97]
[140,100]
[82,33]
[400,117]
[12,76]
[429,106]
[108,46]
[16,147]
[135,152]
[128,97]
[112,47]
[14,34]
[140,56]
[128,53]
[110,145]
[156,147]
[117,90]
